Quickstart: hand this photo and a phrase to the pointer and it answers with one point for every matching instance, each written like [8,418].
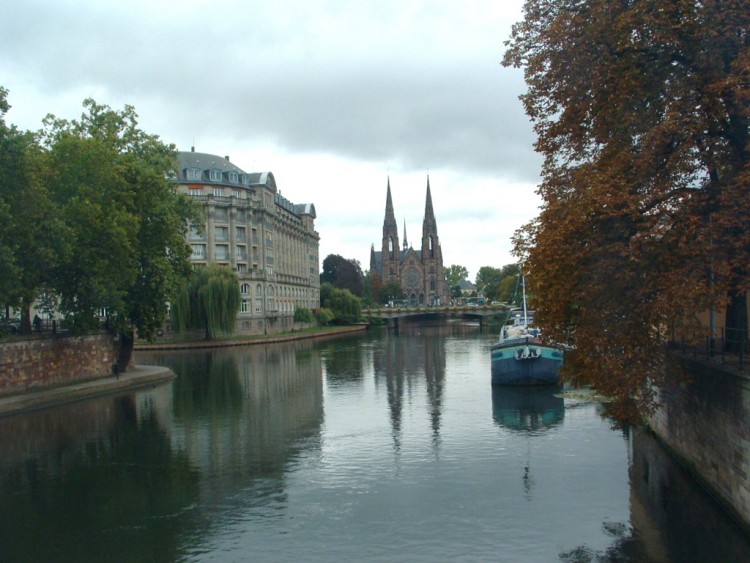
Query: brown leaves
[642,112]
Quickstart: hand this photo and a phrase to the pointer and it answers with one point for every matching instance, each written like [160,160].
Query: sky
[334,97]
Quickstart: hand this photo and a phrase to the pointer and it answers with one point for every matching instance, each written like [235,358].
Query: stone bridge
[392,314]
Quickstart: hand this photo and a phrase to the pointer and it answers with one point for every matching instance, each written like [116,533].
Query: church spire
[406,244]
[430,224]
[390,246]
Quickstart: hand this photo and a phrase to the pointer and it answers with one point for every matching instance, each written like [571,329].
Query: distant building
[270,242]
[467,288]
[419,273]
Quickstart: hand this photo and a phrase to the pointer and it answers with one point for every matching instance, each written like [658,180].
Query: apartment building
[250,227]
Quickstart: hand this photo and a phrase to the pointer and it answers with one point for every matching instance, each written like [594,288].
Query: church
[418,272]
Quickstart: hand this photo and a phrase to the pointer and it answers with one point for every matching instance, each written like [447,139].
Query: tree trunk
[125,352]
[736,323]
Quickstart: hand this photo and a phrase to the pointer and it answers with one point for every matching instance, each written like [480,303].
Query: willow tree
[641,109]
[209,300]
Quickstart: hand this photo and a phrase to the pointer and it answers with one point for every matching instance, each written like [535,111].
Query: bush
[323,316]
[302,315]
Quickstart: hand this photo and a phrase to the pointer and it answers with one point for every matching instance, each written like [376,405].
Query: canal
[383,446]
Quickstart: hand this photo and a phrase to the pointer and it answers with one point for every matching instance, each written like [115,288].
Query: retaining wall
[704,423]
[39,362]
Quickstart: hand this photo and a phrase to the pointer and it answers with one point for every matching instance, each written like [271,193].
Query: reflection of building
[415,354]
[270,242]
[420,274]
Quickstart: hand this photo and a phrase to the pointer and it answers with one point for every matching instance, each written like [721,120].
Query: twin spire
[390,228]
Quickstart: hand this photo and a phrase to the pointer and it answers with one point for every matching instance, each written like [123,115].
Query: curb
[140,376]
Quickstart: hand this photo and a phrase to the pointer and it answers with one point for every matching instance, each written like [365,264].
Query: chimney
[227,157]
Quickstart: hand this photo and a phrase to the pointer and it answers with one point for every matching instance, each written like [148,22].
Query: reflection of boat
[520,357]
[527,408]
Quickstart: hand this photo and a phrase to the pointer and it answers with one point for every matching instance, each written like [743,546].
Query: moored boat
[521,357]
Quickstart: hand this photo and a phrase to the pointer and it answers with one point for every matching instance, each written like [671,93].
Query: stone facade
[704,422]
[419,273]
[251,228]
[35,363]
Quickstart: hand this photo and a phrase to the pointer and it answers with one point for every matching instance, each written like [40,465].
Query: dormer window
[234,178]
[192,173]
[245,179]
[214,175]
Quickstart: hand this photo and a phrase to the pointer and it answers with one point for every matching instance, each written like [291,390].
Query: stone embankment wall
[704,422]
[37,362]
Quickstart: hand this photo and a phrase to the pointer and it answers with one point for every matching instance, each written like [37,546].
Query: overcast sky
[333,97]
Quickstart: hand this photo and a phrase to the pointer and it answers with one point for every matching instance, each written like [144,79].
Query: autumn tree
[641,111]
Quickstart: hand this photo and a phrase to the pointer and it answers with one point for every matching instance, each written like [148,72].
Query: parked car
[10,327]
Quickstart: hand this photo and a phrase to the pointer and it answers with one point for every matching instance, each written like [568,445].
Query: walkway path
[139,376]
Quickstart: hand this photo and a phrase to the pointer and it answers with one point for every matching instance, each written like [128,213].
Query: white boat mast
[523,289]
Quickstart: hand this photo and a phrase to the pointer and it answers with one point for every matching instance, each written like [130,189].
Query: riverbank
[135,378]
[320,332]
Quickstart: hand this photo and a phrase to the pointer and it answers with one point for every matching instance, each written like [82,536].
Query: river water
[384,446]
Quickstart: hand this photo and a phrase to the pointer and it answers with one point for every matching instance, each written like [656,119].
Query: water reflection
[237,460]
[92,477]
[405,359]
[527,409]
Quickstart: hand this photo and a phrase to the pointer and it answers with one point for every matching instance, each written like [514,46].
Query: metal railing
[727,345]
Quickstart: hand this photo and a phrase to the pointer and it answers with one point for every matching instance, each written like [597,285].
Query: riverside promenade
[139,376]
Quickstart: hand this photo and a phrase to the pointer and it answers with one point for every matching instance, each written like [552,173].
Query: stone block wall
[35,363]
[704,421]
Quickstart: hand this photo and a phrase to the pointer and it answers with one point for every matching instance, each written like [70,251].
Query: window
[198,251]
[218,192]
[221,214]
[222,252]
[221,233]
[237,194]
[241,268]
[195,234]
[258,290]
[241,234]
[245,288]
[244,179]
[241,252]
[196,192]
[234,178]
[214,175]
[243,306]
[193,174]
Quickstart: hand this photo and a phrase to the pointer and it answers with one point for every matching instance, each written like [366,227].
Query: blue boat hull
[525,362]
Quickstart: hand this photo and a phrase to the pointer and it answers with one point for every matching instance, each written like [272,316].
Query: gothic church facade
[418,272]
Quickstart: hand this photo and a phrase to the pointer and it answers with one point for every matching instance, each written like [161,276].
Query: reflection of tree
[342,360]
[125,492]
[208,384]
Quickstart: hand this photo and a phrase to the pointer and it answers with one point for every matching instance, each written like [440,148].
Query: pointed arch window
[391,246]
[431,243]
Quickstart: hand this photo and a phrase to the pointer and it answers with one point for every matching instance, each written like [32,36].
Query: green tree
[208,301]
[642,116]
[345,306]
[455,273]
[343,273]
[391,291]
[488,281]
[32,237]
[124,223]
